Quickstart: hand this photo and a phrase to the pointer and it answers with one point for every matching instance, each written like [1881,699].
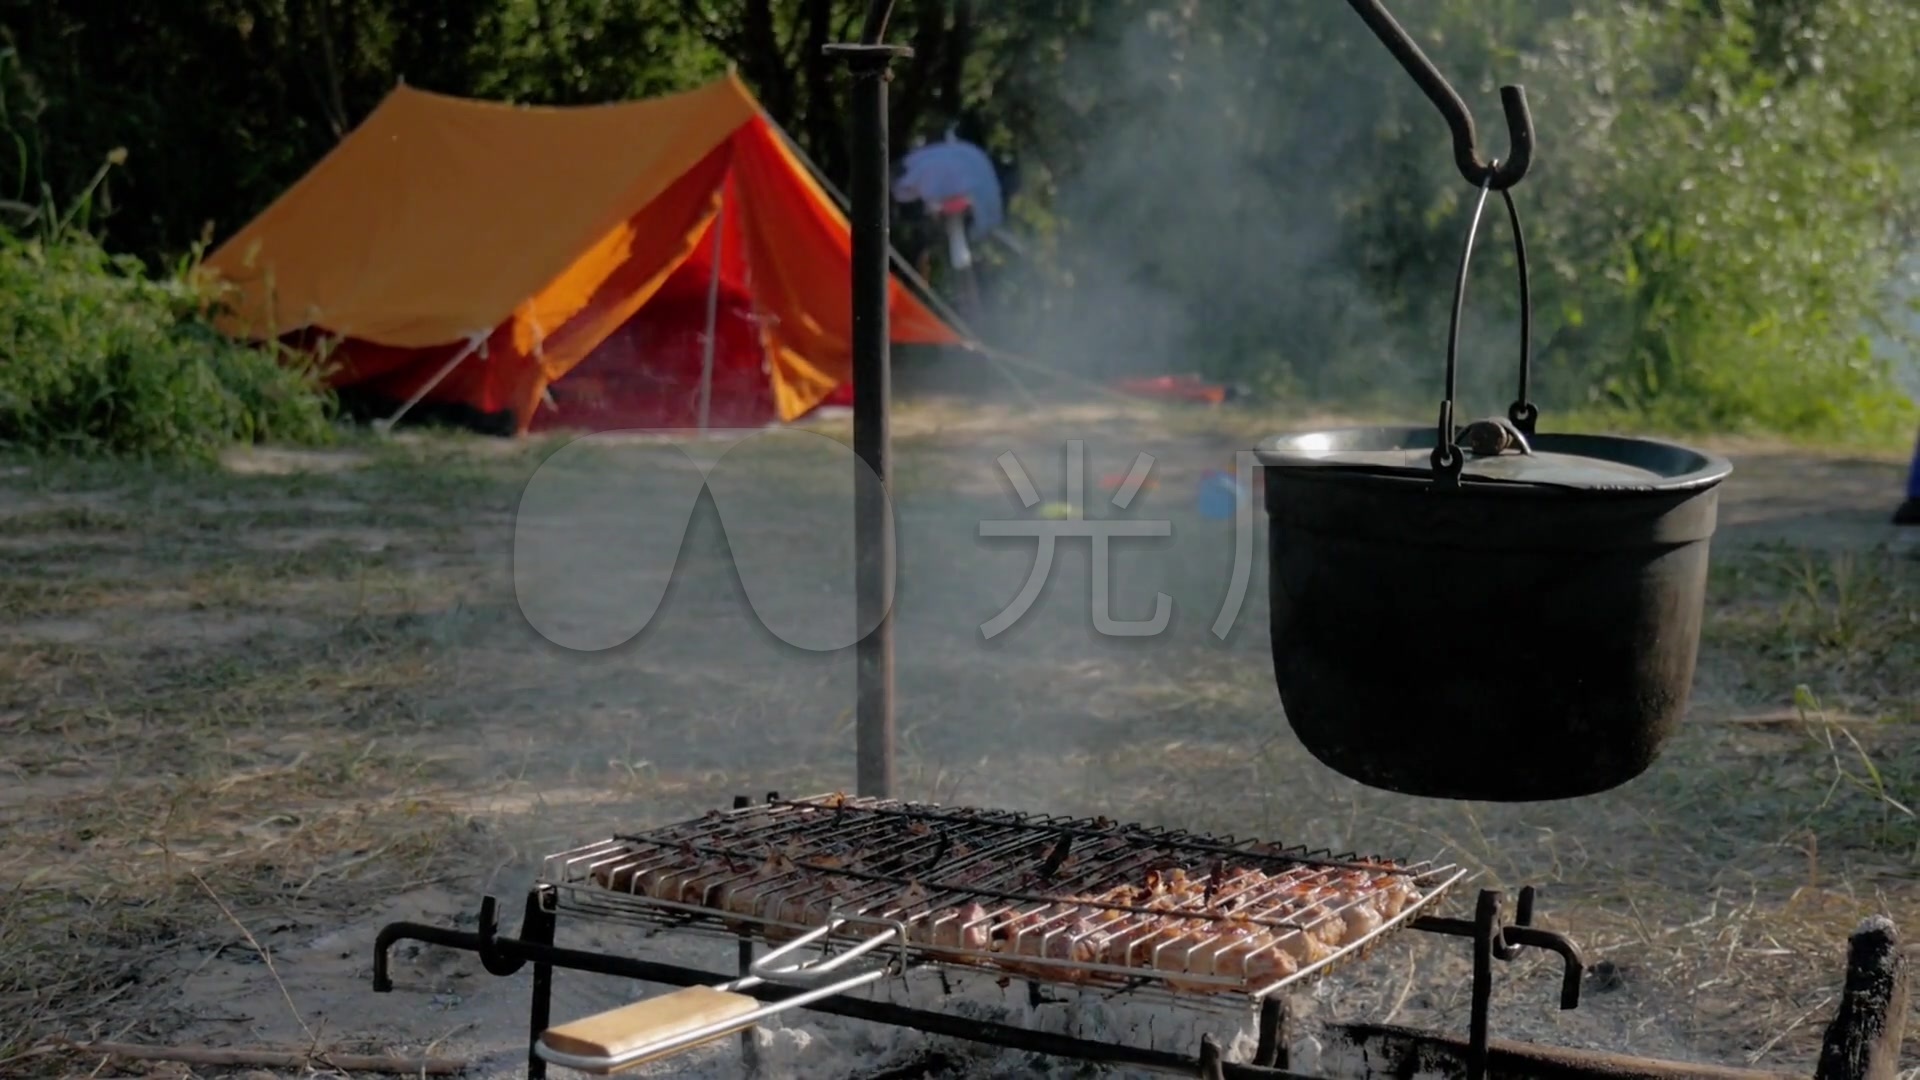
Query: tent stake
[868,62]
[713,316]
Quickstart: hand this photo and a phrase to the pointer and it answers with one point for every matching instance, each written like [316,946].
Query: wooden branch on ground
[1863,1041]
[1392,1051]
[285,1059]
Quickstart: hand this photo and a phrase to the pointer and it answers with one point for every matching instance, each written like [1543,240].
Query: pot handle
[1448,457]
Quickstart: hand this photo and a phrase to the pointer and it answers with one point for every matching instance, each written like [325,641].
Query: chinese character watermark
[1101,532]
[600,526]
[1072,523]
[1243,462]
[601,523]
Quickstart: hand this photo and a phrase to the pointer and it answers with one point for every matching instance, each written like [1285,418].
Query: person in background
[962,192]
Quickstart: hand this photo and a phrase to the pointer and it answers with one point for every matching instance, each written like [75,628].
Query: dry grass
[242,705]
[98,883]
[187,719]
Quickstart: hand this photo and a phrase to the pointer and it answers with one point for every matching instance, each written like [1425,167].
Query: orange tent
[635,257]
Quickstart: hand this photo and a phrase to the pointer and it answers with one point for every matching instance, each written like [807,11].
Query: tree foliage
[1719,202]
[1730,276]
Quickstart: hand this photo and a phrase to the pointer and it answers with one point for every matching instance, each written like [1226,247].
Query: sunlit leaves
[1757,233]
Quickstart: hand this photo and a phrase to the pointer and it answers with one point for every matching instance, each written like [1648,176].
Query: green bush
[98,357]
[1723,235]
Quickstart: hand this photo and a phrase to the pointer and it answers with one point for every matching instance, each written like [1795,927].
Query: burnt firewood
[1863,1041]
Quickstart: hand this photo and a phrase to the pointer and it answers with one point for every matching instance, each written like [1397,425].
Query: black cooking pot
[1486,612]
[1529,634]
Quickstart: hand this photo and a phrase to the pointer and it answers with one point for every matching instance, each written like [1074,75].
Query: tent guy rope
[708,342]
[475,343]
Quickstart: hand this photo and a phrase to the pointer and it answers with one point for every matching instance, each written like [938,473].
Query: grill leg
[538,928]
[749,1052]
[1213,1064]
[1275,1050]
[1486,924]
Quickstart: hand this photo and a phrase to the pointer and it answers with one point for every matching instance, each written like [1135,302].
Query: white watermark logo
[1243,463]
[601,524]
[1102,532]
[1071,522]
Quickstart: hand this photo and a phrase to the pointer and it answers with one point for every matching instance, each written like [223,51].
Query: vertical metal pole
[1486,924]
[713,315]
[872,437]
[873,538]
[749,1051]
[1275,1049]
[538,928]
[1213,1063]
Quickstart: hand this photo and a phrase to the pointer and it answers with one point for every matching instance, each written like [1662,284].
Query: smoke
[1192,234]
[1253,195]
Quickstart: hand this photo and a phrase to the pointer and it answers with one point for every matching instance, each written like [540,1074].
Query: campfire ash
[803,1044]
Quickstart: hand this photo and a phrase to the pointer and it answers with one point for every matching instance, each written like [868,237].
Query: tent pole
[868,62]
[473,343]
[713,316]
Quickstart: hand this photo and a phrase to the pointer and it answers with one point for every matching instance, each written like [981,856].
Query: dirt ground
[251,715]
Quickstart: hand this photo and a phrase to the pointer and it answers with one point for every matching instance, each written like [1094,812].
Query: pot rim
[1709,469]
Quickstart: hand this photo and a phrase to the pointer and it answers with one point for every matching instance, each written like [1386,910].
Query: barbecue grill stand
[505,956]
[1862,1043]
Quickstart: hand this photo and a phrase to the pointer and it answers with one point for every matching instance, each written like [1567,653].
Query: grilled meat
[1208,928]
[964,927]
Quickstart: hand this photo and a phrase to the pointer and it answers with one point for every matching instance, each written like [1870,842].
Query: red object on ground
[1175,387]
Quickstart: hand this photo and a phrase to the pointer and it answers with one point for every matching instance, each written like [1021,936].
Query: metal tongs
[640,1036]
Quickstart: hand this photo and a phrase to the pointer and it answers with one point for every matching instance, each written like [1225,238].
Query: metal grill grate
[1063,900]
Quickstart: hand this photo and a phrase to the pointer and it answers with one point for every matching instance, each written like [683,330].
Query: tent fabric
[521,240]
[647,373]
[810,339]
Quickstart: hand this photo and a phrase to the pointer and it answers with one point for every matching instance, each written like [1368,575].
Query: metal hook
[1466,151]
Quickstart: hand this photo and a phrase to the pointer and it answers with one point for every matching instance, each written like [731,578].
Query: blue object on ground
[1913,473]
[1219,495]
[1909,511]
